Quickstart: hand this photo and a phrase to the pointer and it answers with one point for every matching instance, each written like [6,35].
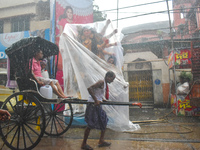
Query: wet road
[173,133]
[145,139]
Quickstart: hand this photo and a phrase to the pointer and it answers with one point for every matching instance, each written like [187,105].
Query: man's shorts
[47,81]
[96,117]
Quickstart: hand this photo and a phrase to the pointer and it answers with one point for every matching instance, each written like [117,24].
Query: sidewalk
[157,113]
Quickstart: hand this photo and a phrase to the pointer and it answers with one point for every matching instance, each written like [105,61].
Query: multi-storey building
[151,44]
[24,15]
[19,16]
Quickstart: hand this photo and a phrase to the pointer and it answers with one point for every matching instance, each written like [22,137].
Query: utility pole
[117,12]
[172,44]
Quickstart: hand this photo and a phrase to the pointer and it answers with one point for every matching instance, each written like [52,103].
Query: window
[1,26]
[182,12]
[21,23]
[3,63]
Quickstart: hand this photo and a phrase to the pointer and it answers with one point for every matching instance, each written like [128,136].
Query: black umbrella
[28,47]
[21,52]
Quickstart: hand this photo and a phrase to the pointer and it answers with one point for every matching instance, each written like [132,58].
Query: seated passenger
[37,75]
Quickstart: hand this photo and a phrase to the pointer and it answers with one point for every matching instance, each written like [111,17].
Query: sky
[134,11]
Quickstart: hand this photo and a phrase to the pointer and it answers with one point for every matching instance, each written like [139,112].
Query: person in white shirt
[44,71]
[95,116]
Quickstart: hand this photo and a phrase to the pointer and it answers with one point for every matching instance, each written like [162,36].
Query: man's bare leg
[60,89]
[101,139]
[86,134]
[102,142]
[55,90]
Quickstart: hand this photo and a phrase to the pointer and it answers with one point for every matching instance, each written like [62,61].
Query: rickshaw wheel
[26,126]
[59,118]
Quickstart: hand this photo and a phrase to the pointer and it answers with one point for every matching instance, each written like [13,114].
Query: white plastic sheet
[82,68]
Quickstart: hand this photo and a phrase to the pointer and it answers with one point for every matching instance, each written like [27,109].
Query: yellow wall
[13,3]
[7,26]
[38,25]
[17,11]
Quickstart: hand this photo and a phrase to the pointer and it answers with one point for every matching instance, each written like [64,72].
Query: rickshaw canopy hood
[21,52]
[28,47]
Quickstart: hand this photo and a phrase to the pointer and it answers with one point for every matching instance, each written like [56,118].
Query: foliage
[98,15]
[186,76]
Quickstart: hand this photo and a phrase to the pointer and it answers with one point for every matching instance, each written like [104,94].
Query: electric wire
[150,13]
[134,6]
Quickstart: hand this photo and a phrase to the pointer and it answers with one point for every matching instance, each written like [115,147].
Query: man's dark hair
[110,74]
[37,51]
[63,16]
[114,59]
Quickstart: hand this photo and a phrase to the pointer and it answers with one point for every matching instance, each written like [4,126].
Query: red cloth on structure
[107,92]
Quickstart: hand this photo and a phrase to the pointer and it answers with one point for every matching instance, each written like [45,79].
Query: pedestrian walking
[95,116]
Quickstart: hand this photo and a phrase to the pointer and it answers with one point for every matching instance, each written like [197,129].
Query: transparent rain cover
[82,68]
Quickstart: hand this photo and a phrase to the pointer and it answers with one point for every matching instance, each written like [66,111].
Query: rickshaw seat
[30,84]
[27,84]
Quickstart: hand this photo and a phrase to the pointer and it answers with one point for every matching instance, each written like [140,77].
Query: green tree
[98,15]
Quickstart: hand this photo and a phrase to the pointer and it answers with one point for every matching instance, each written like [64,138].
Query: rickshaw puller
[95,116]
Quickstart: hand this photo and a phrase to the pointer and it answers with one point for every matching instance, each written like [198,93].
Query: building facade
[24,15]
[20,16]
[151,44]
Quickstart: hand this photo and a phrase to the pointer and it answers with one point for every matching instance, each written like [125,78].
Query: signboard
[170,60]
[182,59]
[68,12]
[182,107]
[7,39]
[73,12]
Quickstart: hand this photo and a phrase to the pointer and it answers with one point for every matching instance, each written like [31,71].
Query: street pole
[117,12]
[172,44]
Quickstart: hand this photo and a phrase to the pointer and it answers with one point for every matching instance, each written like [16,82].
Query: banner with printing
[68,12]
[182,59]
[7,39]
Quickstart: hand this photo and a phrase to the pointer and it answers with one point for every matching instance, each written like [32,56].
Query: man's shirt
[36,68]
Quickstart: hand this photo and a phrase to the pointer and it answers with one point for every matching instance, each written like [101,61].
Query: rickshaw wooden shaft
[83,101]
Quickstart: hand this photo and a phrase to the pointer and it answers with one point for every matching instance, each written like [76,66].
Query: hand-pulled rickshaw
[32,114]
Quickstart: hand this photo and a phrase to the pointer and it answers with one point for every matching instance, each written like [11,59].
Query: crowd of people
[89,37]
[97,42]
